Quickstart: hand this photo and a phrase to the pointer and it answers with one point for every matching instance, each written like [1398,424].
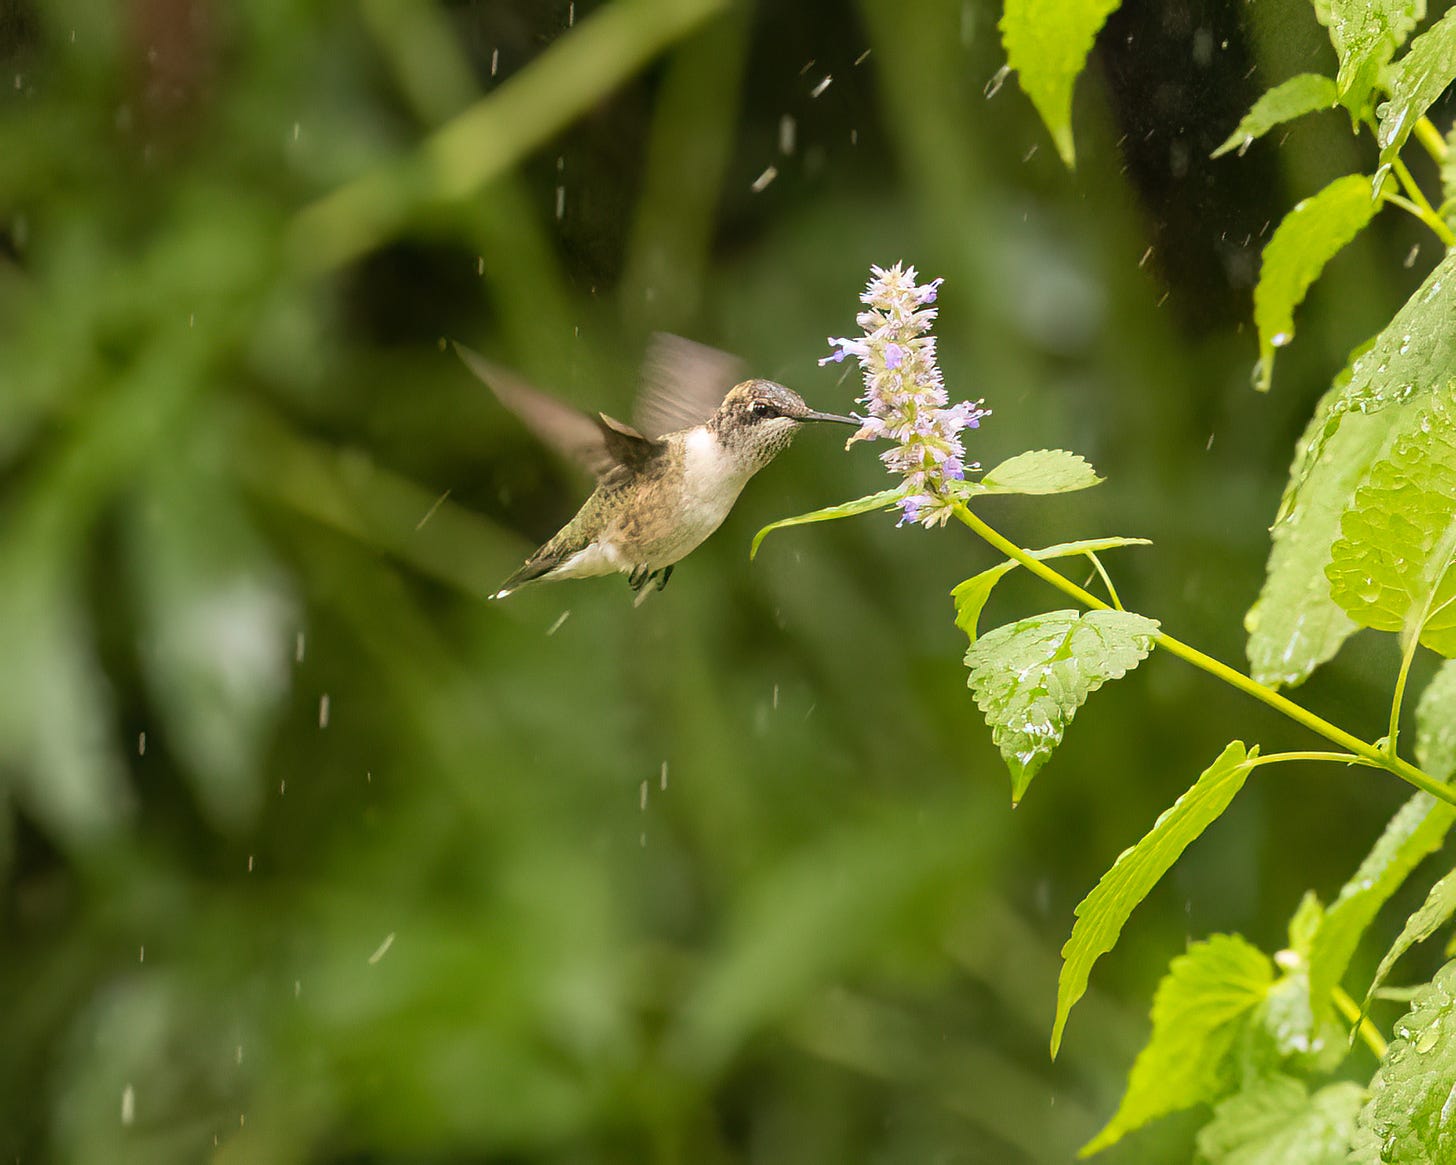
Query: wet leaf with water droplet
[1416,81]
[1366,34]
[1103,913]
[1029,678]
[1407,1118]
[1310,235]
[1305,93]
[1394,566]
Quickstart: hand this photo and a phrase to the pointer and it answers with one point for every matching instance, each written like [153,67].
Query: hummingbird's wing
[603,445]
[683,383]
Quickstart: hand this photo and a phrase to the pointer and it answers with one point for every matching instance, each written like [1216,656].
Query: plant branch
[1430,137]
[1390,762]
[1368,1031]
[1417,204]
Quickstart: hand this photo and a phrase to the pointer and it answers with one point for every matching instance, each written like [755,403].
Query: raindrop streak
[298,648]
[560,619]
[379,952]
[430,513]
[823,85]
[787,130]
[642,797]
[324,710]
[560,202]
[494,61]
[128,1105]
[993,86]
[859,60]
[1410,259]
[141,744]
[662,778]
[761,182]
[1148,254]
[570,14]
[250,863]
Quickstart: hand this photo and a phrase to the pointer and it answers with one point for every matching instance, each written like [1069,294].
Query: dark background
[310,854]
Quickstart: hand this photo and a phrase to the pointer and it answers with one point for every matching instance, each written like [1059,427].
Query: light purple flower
[905,395]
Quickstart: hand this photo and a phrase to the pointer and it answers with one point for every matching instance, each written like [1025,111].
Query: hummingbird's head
[758,419]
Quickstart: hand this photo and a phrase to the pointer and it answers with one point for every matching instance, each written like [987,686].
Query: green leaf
[1103,913]
[1366,34]
[1277,1122]
[1047,42]
[1416,830]
[1029,678]
[1295,625]
[1394,566]
[970,596]
[1406,1119]
[880,501]
[1436,724]
[1414,354]
[1434,913]
[1202,1007]
[1310,235]
[1306,93]
[1418,79]
[1042,471]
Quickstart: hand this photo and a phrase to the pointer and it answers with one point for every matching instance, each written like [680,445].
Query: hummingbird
[665,482]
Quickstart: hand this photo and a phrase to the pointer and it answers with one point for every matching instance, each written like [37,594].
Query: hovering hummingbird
[668,481]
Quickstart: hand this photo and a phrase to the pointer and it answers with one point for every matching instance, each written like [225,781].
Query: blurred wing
[560,426]
[683,384]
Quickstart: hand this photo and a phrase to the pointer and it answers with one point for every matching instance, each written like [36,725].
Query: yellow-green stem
[1368,1031]
[1430,137]
[1403,769]
[1419,205]
[1407,656]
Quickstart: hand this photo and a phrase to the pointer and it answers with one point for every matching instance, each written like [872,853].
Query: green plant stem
[1341,758]
[1430,137]
[1378,759]
[1106,580]
[1407,656]
[1368,1031]
[1419,205]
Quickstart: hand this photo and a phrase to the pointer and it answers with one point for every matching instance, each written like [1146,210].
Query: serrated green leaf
[1406,1120]
[1394,566]
[1366,34]
[1201,1008]
[1103,913]
[1029,678]
[1413,355]
[1306,93]
[1310,235]
[1041,471]
[1047,42]
[1277,1122]
[1417,80]
[1436,724]
[970,596]
[1434,913]
[1416,830]
[880,501]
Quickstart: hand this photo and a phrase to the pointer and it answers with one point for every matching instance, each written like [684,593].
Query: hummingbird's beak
[812,416]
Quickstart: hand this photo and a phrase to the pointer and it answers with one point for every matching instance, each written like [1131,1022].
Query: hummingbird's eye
[763,409]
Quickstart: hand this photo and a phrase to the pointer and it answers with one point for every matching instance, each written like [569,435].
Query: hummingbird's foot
[639,576]
[662,576]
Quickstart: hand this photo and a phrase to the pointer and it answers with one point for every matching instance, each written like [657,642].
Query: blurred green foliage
[312,855]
